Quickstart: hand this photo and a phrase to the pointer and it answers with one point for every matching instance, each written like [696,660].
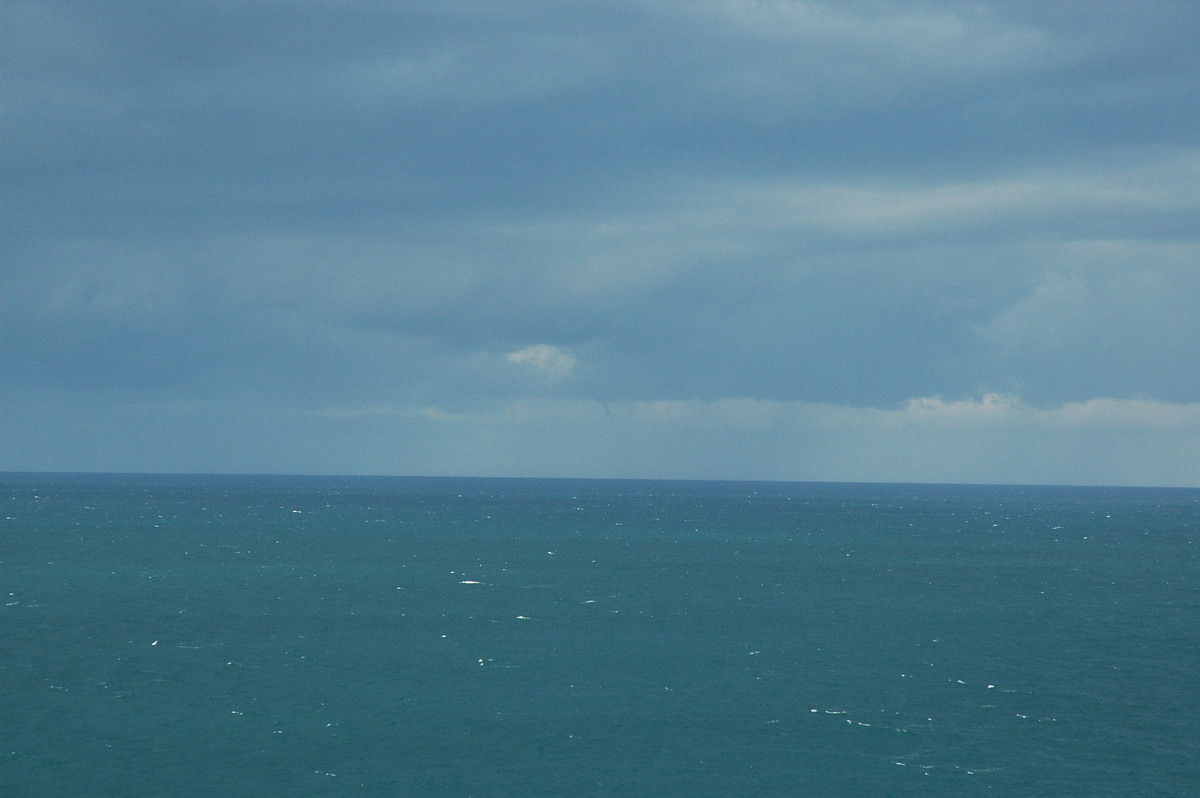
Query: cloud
[990,439]
[1060,201]
[1106,317]
[950,43]
[552,361]
[706,237]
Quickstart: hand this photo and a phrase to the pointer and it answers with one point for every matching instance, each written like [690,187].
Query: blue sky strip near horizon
[866,241]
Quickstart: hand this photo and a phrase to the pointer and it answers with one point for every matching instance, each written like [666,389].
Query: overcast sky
[867,241]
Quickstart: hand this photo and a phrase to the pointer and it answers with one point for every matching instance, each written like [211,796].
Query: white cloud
[909,35]
[1156,182]
[1129,414]
[995,439]
[552,361]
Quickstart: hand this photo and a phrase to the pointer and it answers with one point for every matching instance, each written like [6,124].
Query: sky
[935,241]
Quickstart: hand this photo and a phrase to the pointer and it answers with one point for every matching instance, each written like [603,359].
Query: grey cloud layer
[310,206]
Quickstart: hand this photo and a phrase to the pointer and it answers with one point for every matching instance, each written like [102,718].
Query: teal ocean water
[304,636]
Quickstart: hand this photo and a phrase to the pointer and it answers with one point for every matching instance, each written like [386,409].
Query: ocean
[327,636]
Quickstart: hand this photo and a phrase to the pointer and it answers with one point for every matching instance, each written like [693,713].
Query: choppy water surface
[169,635]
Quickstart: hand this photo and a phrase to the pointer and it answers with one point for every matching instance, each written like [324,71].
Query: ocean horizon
[200,634]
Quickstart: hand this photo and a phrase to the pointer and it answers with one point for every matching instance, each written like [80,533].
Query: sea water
[304,636]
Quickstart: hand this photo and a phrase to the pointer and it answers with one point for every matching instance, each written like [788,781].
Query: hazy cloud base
[788,240]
